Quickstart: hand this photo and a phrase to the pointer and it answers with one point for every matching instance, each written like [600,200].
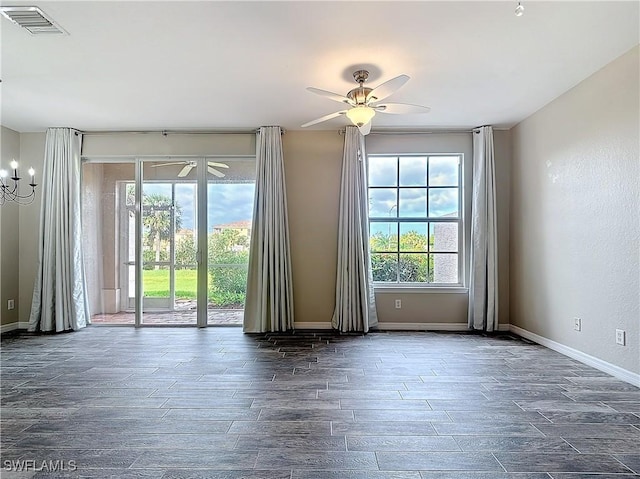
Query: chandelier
[12,192]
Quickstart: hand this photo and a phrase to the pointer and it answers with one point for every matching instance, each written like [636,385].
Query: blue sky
[442,172]
[227,202]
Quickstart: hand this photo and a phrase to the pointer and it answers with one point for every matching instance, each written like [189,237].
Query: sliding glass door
[161,248]
[169,243]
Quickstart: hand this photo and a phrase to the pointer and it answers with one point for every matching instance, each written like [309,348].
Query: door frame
[201,237]
[201,225]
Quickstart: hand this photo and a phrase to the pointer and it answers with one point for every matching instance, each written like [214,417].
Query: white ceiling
[206,64]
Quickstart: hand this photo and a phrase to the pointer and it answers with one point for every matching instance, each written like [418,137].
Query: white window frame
[424,286]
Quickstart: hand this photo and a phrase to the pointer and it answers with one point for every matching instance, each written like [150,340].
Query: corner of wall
[9,237]
[575,217]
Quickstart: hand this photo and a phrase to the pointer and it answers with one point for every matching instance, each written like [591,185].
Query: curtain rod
[411,132]
[170,132]
[417,132]
[423,132]
[175,132]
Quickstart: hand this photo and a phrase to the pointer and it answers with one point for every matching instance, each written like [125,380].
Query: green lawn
[156,283]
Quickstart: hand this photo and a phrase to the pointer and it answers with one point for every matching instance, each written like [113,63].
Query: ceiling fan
[364,102]
[189,165]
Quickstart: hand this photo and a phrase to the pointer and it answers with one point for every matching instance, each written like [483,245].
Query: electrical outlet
[11,304]
[621,337]
[398,303]
[577,324]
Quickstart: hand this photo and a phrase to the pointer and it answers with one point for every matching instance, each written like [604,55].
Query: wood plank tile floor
[169,403]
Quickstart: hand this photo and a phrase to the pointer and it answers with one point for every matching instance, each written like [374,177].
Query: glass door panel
[158,217]
[169,279]
[229,219]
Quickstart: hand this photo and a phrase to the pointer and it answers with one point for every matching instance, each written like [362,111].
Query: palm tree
[157,211]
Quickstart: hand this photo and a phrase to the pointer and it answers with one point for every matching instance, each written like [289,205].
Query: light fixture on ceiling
[364,102]
[12,193]
[519,10]
[360,115]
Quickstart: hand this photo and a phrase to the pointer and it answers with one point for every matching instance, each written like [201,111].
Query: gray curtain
[60,301]
[269,302]
[483,286]
[355,309]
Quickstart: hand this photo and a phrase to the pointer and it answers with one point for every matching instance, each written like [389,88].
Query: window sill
[426,289]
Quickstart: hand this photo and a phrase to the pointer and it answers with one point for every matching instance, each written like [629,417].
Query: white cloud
[227,202]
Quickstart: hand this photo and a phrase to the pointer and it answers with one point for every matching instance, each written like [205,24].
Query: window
[415,218]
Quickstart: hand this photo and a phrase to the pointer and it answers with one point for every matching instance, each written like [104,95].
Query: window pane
[230,206]
[413,203]
[413,237]
[444,170]
[413,171]
[383,237]
[383,171]
[159,220]
[443,237]
[445,268]
[413,268]
[443,202]
[385,267]
[130,195]
[230,213]
[383,202]
[185,237]
[156,196]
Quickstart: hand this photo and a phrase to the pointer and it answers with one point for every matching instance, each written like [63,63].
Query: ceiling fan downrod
[359,95]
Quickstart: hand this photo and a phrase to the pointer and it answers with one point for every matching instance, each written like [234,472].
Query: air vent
[32,19]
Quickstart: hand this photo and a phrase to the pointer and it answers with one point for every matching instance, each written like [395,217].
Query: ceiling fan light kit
[364,101]
[360,115]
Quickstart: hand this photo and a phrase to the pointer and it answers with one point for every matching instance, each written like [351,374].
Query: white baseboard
[604,366]
[323,325]
[423,326]
[5,328]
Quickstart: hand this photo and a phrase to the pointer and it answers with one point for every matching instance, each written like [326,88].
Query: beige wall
[575,216]
[9,234]
[31,153]
[151,144]
[502,152]
[313,163]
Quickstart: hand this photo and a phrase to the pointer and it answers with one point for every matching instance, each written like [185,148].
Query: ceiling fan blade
[218,165]
[168,164]
[401,108]
[387,88]
[215,172]
[331,95]
[324,118]
[185,171]
[365,129]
